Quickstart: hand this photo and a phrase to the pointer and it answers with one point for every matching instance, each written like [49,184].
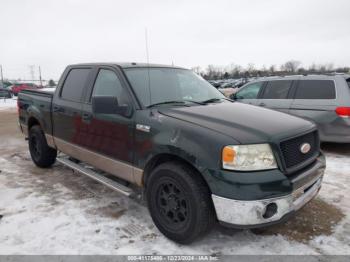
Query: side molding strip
[107,164]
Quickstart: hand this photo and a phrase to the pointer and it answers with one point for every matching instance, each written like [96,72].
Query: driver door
[111,136]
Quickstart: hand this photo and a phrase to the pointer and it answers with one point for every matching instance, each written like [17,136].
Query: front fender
[200,147]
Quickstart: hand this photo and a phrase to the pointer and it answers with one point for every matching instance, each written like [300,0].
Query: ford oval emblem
[305,148]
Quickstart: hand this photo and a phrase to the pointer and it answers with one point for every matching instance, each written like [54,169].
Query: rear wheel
[179,202]
[41,154]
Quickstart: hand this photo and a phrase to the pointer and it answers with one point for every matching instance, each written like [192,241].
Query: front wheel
[179,202]
[41,154]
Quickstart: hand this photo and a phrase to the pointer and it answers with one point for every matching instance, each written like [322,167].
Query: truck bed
[48,91]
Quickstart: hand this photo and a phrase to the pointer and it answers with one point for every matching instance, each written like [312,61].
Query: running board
[96,176]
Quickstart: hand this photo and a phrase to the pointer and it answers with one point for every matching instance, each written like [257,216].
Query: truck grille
[292,154]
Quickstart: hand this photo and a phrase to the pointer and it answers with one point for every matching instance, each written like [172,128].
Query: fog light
[271,210]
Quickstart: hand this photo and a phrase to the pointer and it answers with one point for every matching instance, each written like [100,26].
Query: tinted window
[250,91]
[315,89]
[108,84]
[277,89]
[74,84]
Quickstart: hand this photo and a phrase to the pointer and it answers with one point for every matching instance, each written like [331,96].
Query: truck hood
[244,123]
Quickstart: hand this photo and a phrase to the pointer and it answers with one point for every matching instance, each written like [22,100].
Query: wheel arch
[35,117]
[168,157]
[32,121]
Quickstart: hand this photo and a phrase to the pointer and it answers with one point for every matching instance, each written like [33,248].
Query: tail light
[343,111]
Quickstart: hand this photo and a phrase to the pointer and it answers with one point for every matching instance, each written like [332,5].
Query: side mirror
[233,96]
[109,105]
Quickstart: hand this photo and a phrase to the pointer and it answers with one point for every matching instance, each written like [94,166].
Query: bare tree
[251,69]
[52,82]
[263,71]
[197,69]
[210,71]
[236,71]
[272,69]
[291,66]
[214,72]
[312,67]
[329,67]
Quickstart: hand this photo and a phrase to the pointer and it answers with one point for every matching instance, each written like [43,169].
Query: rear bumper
[258,213]
[337,131]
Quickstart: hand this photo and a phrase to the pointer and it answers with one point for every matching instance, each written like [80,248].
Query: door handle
[58,109]
[87,117]
[262,104]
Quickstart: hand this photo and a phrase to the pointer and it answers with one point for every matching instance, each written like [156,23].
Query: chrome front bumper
[266,211]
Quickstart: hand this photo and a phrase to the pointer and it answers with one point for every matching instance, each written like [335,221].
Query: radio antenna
[148,69]
[147,49]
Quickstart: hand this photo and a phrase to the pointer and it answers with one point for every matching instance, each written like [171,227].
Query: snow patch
[9,103]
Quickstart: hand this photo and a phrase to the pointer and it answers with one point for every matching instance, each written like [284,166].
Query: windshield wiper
[182,102]
[213,100]
[196,102]
[167,102]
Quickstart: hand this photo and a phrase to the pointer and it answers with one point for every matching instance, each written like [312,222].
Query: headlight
[248,157]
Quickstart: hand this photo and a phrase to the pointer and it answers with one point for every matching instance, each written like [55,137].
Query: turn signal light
[343,111]
[228,154]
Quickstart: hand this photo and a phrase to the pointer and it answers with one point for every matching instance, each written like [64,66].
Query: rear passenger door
[249,94]
[315,100]
[276,95]
[67,105]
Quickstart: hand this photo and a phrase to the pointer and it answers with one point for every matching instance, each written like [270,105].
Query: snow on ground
[336,186]
[59,212]
[9,103]
[56,211]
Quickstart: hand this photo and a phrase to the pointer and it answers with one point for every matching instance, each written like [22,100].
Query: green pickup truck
[197,157]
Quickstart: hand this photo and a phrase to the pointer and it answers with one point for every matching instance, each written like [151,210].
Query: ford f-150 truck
[196,156]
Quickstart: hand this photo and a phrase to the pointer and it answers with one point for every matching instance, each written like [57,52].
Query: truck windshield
[161,86]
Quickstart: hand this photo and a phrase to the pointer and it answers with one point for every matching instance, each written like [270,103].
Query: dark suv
[319,98]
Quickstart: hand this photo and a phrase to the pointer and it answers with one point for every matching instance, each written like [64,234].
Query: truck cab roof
[125,65]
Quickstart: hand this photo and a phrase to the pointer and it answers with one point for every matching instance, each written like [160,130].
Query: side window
[250,91]
[74,84]
[315,89]
[108,84]
[277,89]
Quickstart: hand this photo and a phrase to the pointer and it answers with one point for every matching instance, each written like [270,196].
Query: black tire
[41,154]
[179,202]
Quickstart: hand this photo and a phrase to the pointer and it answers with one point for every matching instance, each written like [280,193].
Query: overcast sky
[188,33]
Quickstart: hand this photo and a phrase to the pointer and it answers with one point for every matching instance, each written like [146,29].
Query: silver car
[323,99]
